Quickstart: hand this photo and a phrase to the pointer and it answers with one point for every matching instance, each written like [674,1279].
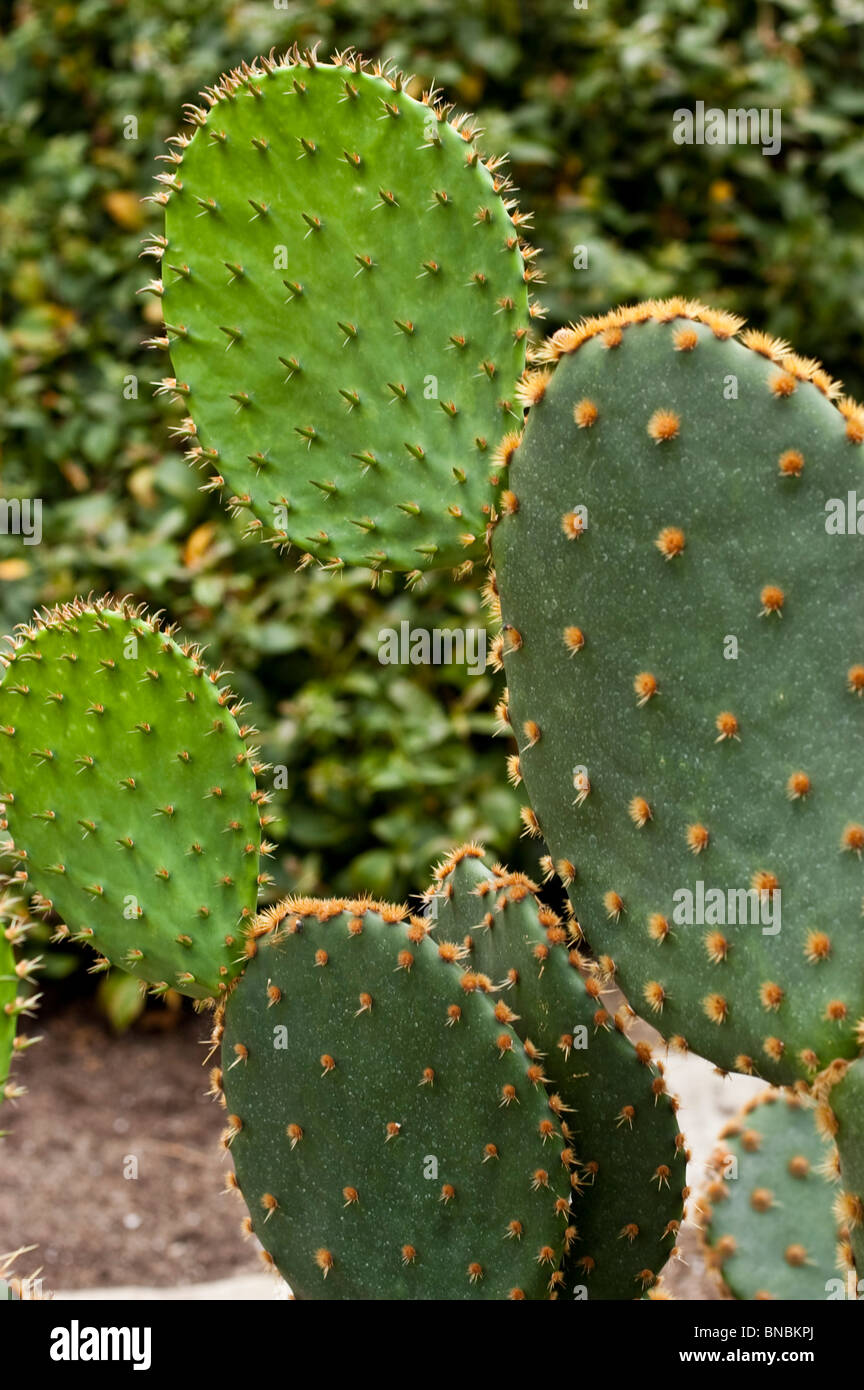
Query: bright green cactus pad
[847,1126]
[130,793]
[685,661]
[627,1200]
[8,1010]
[389,1143]
[345,293]
[16,1000]
[770,1228]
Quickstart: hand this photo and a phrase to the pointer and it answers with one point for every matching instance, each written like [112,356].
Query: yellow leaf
[124,208]
[14,569]
[721,191]
[197,544]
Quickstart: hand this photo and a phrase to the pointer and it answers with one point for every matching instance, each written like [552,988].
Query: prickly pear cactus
[8,992]
[130,793]
[767,1211]
[841,1094]
[345,295]
[391,1138]
[17,1001]
[685,661]
[611,1097]
[9,1011]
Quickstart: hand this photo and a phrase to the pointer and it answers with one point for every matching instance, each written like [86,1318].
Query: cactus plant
[391,1137]
[615,1109]
[16,1002]
[346,298]
[685,673]
[130,793]
[841,1095]
[768,1208]
[8,1011]
[445,1045]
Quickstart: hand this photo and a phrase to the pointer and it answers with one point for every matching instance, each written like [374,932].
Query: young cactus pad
[611,1098]
[390,1138]
[345,293]
[130,793]
[770,1229]
[685,658]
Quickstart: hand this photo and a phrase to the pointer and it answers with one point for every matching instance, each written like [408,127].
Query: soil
[97,1107]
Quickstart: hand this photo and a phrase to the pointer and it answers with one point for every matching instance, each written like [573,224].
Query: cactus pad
[390,1137]
[615,1111]
[9,1010]
[345,294]
[8,993]
[130,793]
[685,661]
[16,1002]
[770,1229]
[842,1119]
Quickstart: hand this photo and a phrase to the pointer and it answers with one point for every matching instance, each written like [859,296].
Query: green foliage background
[385,767]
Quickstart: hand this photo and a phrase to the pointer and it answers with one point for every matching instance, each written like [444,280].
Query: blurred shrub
[384,767]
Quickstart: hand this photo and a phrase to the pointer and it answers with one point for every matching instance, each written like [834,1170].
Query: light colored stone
[242,1288]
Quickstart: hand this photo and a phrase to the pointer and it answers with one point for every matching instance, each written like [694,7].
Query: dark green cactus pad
[388,1141]
[685,660]
[842,1116]
[345,294]
[615,1111]
[130,793]
[769,1224]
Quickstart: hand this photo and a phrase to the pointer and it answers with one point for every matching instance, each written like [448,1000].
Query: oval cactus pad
[392,1139]
[345,294]
[130,793]
[684,644]
[611,1097]
[771,1229]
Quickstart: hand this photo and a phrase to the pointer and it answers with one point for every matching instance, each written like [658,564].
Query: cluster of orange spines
[792,367]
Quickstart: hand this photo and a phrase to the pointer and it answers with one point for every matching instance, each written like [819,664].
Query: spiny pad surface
[344,289]
[615,1110]
[8,1010]
[847,1101]
[16,1000]
[385,1141]
[685,662]
[130,793]
[770,1227]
